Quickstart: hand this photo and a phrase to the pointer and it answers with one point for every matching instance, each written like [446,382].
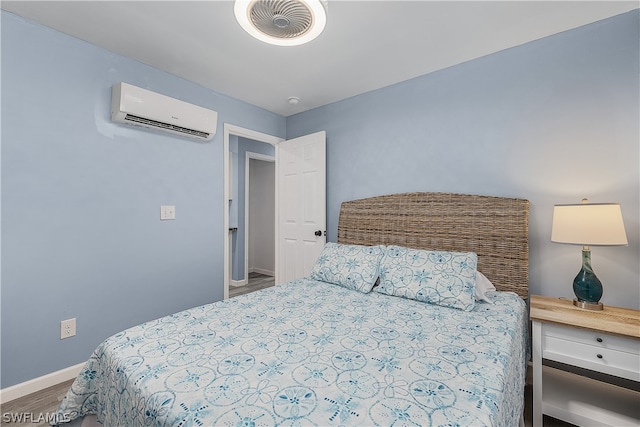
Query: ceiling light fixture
[294,100]
[282,22]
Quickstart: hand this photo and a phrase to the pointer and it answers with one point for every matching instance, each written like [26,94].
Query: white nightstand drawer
[598,339]
[594,357]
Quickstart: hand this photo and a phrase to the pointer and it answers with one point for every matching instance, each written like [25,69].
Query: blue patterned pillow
[442,278]
[351,266]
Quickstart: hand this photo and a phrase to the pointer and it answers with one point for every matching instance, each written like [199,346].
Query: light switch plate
[167,212]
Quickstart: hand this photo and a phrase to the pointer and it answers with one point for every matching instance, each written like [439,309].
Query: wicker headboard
[495,228]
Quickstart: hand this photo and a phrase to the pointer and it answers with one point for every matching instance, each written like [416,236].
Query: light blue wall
[81,234]
[551,121]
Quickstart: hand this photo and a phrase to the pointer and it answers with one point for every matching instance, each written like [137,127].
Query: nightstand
[606,342]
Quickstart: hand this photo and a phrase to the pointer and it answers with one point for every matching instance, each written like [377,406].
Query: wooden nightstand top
[613,320]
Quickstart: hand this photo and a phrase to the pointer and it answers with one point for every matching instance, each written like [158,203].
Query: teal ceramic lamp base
[587,286]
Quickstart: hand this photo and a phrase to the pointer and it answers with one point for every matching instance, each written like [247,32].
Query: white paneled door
[301,204]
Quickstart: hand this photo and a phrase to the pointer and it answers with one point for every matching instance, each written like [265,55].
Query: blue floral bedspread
[311,353]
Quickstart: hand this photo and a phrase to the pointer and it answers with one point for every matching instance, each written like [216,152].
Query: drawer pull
[599,356]
[599,339]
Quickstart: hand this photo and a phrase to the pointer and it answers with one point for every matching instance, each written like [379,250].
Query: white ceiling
[365,45]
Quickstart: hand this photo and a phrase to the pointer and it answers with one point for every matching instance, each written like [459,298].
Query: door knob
[318,233]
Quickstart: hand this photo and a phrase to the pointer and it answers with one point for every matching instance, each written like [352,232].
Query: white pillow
[482,286]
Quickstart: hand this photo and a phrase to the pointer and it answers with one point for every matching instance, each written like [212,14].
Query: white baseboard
[20,390]
[236,283]
[263,271]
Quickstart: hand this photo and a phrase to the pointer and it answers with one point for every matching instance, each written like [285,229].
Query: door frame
[228,130]
[247,180]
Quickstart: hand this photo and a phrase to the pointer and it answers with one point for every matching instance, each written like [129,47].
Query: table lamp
[588,224]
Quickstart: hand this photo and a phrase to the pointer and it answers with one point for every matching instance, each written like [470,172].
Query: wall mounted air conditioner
[140,107]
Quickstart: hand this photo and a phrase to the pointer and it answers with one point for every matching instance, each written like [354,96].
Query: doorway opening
[241,147]
[252,212]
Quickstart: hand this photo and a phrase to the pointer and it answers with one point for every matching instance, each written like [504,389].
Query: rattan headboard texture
[495,228]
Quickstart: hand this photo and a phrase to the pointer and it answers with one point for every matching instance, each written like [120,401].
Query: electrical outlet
[67,328]
[167,212]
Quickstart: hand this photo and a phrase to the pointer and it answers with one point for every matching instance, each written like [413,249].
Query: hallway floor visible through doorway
[257,281]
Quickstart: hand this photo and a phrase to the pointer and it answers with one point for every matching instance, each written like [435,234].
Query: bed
[368,338]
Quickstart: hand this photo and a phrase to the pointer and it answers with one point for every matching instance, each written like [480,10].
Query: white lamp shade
[588,224]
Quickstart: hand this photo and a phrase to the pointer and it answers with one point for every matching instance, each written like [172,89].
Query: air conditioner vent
[142,108]
[167,126]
